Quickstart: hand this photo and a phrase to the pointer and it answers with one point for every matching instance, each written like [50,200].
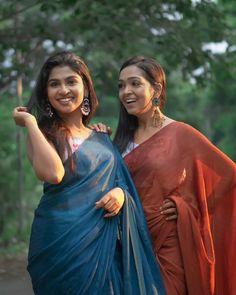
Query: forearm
[44,158]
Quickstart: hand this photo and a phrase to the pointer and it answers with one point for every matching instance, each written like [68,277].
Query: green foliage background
[201,84]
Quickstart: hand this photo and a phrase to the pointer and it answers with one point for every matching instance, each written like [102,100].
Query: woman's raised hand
[100,127]
[22,116]
[112,202]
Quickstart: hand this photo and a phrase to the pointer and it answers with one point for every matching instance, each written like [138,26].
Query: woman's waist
[157,224]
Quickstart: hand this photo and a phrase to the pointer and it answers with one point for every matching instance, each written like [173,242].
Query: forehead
[132,72]
[62,72]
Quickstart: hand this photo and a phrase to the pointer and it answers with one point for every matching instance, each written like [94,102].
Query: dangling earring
[158,119]
[85,108]
[49,110]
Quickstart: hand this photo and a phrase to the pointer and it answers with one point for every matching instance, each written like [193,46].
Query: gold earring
[158,119]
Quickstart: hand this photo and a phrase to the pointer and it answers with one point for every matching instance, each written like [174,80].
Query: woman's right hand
[100,127]
[112,202]
[21,116]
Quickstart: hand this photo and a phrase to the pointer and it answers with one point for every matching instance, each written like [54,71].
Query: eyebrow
[130,78]
[69,77]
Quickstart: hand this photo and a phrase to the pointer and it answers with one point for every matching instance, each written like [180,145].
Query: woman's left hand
[100,127]
[112,202]
[169,209]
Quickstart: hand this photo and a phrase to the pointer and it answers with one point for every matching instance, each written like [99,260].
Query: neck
[145,121]
[75,124]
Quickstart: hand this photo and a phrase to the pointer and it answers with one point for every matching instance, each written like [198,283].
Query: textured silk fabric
[74,250]
[196,253]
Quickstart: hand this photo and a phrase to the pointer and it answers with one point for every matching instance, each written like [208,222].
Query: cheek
[50,93]
[147,95]
[120,94]
[78,91]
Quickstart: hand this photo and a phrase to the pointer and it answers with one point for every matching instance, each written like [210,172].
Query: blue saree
[74,250]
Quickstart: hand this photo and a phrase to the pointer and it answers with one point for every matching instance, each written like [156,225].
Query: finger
[163,208]
[101,125]
[167,200]
[172,217]
[109,130]
[111,214]
[102,202]
[21,109]
[169,211]
[103,128]
[92,127]
[168,204]
[97,128]
[111,207]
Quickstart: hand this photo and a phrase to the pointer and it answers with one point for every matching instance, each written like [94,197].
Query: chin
[132,112]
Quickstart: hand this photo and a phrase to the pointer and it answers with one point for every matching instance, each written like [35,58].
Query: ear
[158,89]
[86,91]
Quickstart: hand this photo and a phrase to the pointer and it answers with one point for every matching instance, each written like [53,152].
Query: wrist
[31,121]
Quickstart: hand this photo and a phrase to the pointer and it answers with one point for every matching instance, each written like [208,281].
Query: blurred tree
[106,32]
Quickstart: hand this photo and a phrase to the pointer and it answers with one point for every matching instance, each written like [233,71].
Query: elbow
[52,178]
[56,179]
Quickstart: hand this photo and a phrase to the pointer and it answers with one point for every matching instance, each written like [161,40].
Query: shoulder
[188,130]
[189,138]
[102,137]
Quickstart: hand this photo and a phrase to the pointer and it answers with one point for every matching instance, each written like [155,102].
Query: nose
[63,88]
[126,90]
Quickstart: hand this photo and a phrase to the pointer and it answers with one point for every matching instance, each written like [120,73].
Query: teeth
[130,100]
[65,99]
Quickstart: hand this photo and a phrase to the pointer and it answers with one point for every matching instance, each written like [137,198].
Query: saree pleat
[195,253]
[74,250]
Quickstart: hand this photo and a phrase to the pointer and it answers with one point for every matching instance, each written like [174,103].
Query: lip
[129,101]
[68,98]
[65,100]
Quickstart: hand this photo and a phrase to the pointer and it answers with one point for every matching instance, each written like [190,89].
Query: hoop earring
[85,108]
[49,110]
[158,119]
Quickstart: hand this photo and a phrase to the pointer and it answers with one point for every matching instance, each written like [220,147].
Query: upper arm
[50,159]
[29,149]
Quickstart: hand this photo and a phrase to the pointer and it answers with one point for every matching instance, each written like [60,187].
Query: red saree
[196,253]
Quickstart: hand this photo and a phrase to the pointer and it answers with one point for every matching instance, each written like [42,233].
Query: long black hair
[53,127]
[127,123]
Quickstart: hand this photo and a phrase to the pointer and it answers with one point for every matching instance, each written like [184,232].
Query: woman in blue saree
[89,234]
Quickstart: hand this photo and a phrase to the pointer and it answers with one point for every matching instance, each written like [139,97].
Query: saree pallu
[74,250]
[196,253]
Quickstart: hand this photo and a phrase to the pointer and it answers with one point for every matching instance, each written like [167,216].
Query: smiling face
[135,91]
[65,90]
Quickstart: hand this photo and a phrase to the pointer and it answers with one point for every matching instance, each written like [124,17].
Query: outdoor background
[195,42]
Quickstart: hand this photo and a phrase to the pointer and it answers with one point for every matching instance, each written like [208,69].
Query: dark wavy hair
[54,128]
[127,124]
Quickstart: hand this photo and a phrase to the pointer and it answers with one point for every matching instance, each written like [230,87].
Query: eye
[53,84]
[136,83]
[120,85]
[71,82]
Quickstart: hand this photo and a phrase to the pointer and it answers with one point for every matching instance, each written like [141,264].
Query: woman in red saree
[171,160]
